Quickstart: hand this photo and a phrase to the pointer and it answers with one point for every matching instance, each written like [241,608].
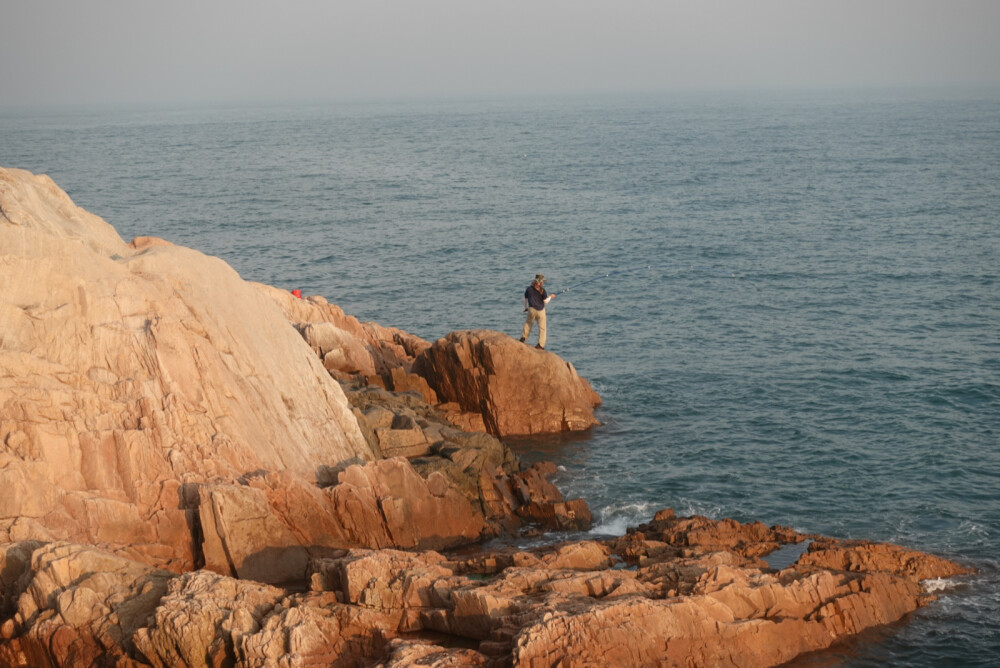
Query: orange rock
[517,389]
[164,411]
[411,382]
[555,605]
[402,509]
[375,350]
[388,580]
[702,534]
[407,653]
[866,556]
[339,350]
[164,408]
[137,374]
[581,556]
[77,606]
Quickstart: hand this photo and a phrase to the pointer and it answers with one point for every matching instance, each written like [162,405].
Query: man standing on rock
[535,299]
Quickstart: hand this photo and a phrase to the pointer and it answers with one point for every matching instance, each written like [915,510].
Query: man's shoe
[522,339]
[540,347]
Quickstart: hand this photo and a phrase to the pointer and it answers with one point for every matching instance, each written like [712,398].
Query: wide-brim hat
[539,278]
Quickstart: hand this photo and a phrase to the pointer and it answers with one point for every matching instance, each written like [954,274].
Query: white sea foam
[615,519]
[973,529]
[688,507]
[938,584]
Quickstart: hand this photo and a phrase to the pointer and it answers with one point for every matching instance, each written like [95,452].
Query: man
[535,299]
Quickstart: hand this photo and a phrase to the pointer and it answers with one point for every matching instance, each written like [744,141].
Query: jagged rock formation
[128,376]
[174,443]
[481,380]
[516,389]
[665,594]
[154,403]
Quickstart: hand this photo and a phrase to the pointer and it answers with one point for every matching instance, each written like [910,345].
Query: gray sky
[185,51]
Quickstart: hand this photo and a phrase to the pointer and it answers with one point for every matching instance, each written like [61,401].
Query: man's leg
[541,328]
[526,330]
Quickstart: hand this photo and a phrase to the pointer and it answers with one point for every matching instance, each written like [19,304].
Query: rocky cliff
[154,403]
[128,376]
[200,471]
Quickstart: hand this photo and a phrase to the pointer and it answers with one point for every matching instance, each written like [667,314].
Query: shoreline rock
[481,380]
[175,443]
[518,390]
[156,404]
[666,593]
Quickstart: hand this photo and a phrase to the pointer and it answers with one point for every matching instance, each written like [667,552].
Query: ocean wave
[614,520]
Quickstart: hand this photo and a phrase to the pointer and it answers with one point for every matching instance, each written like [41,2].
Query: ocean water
[795,315]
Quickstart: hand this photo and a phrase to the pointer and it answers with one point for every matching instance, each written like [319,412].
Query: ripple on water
[846,381]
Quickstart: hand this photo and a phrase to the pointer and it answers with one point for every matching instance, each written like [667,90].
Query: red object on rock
[297,293]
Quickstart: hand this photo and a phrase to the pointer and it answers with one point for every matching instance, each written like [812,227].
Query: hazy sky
[183,51]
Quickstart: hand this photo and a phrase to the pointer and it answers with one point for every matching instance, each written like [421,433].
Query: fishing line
[690,267]
[668,267]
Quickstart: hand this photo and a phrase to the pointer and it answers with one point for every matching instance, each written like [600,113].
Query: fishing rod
[691,267]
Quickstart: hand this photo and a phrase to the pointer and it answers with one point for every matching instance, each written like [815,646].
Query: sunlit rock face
[674,592]
[174,443]
[516,388]
[130,375]
[154,403]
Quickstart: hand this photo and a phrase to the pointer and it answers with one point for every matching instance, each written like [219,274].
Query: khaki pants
[534,315]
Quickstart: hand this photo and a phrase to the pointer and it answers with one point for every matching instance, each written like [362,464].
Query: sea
[788,300]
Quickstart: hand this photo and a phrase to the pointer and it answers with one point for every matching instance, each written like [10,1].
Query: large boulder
[517,389]
[129,375]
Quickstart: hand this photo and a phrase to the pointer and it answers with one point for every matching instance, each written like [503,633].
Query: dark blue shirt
[536,299]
